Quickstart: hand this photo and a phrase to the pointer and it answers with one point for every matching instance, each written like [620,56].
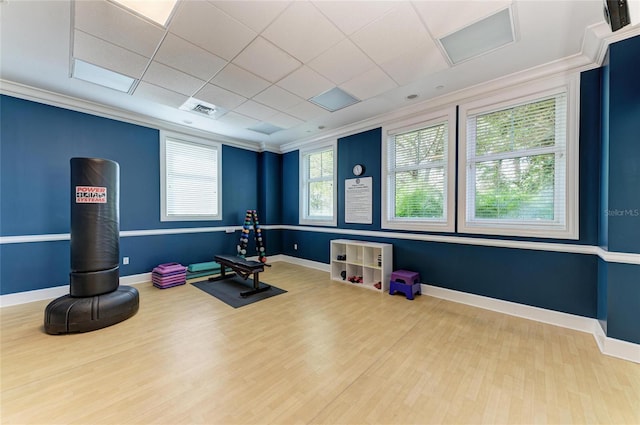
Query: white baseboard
[565,320]
[301,262]
[609,346]
[59,291]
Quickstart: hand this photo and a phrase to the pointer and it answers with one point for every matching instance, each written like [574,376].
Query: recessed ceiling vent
[203,109]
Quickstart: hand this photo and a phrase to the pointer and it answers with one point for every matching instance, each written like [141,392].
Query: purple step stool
[405,281]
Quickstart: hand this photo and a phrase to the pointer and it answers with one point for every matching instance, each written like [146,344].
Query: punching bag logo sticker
[91,195]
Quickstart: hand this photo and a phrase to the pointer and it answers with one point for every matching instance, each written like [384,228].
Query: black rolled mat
[228,290]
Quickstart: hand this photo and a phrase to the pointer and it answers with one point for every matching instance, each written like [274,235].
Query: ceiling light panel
[266,128]
[334,99]
[105,20]
[445,17]
[479,38]
[158,11]
[101,76]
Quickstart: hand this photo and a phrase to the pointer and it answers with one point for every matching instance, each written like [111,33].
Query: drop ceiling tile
[172,79]
[254,14]
[256,110]
[239,81]
[425,60]
[398,32]
[303,31]
[305,82]
[342,62]
[445,17]
[350,16]
[369,84]
[266,60]
[283,120]
[159,94]
[220,97]
[277,98]
[188,58]
[99,52]
[204,25]
[109,22]
[307,111]
[238,120]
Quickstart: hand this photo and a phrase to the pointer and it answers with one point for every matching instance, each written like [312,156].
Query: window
[418,190]
[318,182]
[190,178]
[518,174]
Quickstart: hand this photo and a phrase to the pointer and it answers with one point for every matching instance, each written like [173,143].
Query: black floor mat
[228,290]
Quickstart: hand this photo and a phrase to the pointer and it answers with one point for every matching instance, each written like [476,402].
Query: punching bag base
[69,314]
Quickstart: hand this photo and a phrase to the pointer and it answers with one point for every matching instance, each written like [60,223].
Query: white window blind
[516,164]
[191,180]
[417,172]
[318,183]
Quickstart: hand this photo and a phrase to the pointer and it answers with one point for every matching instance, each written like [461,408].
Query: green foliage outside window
[519,183]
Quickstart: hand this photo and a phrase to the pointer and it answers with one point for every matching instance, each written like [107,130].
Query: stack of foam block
[168,275]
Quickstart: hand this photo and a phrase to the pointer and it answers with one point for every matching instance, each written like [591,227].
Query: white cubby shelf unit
[371,261]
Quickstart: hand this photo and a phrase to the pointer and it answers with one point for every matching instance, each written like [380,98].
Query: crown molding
[50,98]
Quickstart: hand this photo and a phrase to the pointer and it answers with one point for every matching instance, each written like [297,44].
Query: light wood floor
[324,352]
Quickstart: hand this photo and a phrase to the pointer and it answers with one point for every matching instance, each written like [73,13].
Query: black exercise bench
[244,268]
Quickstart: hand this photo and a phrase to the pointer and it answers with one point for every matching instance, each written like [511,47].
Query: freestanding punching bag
[95,227]
[95,299]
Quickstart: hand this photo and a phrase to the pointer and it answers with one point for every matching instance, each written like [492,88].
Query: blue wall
[36,146]
[624,146]
[619,284]
[573,283]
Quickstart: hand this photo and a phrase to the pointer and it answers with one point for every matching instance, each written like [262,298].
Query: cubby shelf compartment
[371,260]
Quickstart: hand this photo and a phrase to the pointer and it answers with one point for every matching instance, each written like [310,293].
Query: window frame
[568,228]
[389,130]
[304,217]
[191,140]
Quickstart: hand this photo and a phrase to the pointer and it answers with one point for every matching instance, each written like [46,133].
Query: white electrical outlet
[125,260]
[295,246]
